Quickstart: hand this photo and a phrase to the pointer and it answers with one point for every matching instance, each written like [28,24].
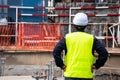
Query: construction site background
[31,50]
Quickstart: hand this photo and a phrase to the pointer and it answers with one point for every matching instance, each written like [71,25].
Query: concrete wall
[111,70]
[28,58]
[43,58]
[26,63]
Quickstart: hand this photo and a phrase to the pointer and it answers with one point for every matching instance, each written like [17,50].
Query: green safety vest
[79,58]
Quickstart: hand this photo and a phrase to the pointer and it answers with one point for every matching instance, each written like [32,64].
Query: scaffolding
[44,36]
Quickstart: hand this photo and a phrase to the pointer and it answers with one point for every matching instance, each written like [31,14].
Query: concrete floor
[17,78]
[22,78]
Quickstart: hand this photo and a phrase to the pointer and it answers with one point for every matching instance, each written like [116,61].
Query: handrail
[113,34]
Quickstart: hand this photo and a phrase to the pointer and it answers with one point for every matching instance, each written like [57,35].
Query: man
[79,47]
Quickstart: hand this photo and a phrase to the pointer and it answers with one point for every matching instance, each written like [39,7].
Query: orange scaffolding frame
[39,36]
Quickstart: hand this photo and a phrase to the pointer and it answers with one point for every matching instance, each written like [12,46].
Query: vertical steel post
[51,69]
[43,10]
[100,28]
[48,72]
[69,20]
[2,63]
[118,36]
[16,35]
[113,36]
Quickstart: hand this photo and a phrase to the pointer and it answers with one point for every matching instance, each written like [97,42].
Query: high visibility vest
[79,58]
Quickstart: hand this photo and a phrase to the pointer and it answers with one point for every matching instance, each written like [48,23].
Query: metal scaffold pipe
[119,29]
[62,8]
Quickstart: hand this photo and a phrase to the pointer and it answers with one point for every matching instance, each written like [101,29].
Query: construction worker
[79,60]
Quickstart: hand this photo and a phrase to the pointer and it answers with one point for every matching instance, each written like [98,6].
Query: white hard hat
[80,19]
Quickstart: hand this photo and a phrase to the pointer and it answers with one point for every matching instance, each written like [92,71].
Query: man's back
[79,57]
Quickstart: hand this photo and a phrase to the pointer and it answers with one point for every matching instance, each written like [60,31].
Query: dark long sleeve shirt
[97,46]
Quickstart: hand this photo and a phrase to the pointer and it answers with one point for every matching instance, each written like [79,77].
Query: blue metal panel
[12,11]
[32,11]
[14,2]
[3,11]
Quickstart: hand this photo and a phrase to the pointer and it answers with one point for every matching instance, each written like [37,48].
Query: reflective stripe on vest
[79,57]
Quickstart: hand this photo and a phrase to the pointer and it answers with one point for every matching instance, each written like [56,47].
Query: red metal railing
[41,37]
[31,36]
[7,35]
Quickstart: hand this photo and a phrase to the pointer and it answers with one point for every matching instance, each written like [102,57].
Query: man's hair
[80,28]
